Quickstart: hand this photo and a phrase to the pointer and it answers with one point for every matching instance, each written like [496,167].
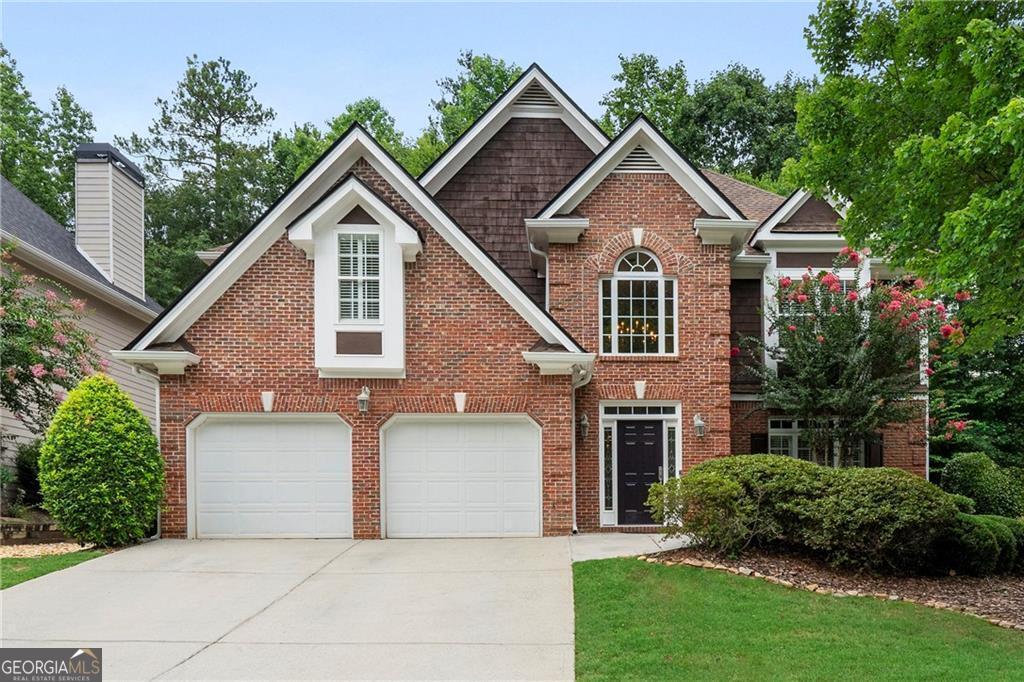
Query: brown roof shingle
[755,203]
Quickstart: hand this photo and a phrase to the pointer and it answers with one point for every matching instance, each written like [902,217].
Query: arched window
[638,307]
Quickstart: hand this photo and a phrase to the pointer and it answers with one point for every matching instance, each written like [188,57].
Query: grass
[636,620]
[18,570]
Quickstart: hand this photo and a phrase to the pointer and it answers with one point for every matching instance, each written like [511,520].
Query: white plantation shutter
[358,276]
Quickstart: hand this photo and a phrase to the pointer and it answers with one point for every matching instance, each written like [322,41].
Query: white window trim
[793,433]
[619,276]
[611,517]
[360,323]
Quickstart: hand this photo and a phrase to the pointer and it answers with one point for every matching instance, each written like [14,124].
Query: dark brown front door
[640,452]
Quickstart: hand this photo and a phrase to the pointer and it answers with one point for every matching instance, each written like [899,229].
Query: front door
[640,453]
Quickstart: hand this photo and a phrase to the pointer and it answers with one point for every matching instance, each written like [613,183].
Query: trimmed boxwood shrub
[993,490]
[963,503]
[100,469]
[706,506]
[970,546]
[1005,539]
[879,518]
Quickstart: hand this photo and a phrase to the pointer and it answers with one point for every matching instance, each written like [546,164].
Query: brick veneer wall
[904,446]
[460,336]
[699,376]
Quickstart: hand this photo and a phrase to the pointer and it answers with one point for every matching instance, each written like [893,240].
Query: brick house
[518,342]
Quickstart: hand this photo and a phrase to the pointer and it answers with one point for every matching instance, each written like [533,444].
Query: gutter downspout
[584,377]
[540,254]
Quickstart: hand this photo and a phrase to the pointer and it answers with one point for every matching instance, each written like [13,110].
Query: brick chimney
[109,205]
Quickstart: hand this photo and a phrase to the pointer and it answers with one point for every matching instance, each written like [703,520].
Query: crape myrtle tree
[43,351]
[848,359]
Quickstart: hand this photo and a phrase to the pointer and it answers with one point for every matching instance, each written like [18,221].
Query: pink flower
[51,295]
[959,425]
[38,371]
[785,282]
[949,435]
[914,317]
[854,257]
[940,309]
[919,283]
[3,311]
[104,363]
[30,279]
[60,395]
[845,251]
[852,296]
[833,309]
[801,298]
[821,339]
[734,352]
[894,305]
[829,279]
[78,305]
[929,371]
[60,372]
[791,327]
[60,339]
[866,344]
[32,324]
[834,287]
[12,373]
[946,330]
[962,295]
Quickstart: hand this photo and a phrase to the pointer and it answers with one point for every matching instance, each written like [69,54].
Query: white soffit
[533,95]
[643,134]
[355,144]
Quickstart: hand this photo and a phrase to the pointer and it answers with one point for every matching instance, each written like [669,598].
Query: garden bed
[999,599]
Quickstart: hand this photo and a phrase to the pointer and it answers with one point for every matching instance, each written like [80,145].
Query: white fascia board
[63,272]
[641,132]
[802,241]
[723,230]
[553,363]
[160,361]
[781,214]
[356,144]
[342,200]
[456,156]
[208,257]
[556,230]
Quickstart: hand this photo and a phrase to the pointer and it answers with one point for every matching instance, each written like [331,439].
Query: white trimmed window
[784,438]
[358,277]
[638,307]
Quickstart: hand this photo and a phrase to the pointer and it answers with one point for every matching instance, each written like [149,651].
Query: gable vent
[639,161]
[536,96]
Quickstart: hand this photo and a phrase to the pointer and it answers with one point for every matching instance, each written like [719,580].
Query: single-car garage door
[272,476]
[462,477]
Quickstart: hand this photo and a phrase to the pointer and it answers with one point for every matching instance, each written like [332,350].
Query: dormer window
[359,291]
[638,307]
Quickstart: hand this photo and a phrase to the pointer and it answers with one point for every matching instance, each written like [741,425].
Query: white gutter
[62,271]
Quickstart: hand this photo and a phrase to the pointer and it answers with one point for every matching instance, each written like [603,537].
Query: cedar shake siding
[460,335]
[511,178]
[745,321]
[816,215]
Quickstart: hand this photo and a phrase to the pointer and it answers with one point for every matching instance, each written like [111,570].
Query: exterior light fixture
[584,425]
[363,400]
[699,426]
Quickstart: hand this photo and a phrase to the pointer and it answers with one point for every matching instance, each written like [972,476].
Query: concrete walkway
[318,609]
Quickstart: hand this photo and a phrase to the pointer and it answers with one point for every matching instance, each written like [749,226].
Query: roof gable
[800,214]
[315,183]
[642,133]
[532,95]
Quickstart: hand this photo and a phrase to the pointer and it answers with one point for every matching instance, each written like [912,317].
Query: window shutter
[873,456]
[758,443]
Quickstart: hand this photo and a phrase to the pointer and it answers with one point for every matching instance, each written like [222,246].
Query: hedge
[100,470]
[993,489]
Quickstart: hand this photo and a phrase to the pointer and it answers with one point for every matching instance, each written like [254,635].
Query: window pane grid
[359,277]
[638,311]
[608,469]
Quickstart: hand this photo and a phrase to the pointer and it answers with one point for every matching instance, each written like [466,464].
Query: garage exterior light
[363,400]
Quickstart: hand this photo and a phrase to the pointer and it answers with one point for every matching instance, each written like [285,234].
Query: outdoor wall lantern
[584,425]
[363,400]
[699,426]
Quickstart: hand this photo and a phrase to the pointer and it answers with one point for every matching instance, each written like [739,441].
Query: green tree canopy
[919,125]
[466,95]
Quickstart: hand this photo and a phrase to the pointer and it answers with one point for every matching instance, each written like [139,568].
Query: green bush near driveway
[640,621]
[100,469]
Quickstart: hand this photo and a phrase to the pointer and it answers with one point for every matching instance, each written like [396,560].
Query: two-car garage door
[291,476]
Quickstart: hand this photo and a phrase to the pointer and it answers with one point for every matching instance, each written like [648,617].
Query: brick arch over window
[672,261]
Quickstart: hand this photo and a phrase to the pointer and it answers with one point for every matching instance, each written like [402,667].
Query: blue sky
[310,60]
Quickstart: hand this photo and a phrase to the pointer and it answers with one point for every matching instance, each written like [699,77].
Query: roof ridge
[742,182]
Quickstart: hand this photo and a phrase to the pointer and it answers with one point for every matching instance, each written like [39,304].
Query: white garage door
[273,477]
[462,477]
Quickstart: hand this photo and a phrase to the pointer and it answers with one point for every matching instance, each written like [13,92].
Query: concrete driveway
[316,609]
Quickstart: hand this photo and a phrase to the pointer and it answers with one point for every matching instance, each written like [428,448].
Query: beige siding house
[102,263]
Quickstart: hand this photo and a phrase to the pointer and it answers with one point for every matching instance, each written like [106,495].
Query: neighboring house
[518,342]
[101,263]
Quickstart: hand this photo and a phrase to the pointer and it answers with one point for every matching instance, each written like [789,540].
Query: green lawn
[636,620]
[14,571]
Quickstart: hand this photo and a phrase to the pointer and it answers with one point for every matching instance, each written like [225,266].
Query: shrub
[963,503]
[776,488]
[882,518]
[26,466]
[970,546]
[706,506]
[100,470]
[1006,541]
[1016,527]
[993,490]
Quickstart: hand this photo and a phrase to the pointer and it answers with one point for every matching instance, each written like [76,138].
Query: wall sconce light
[584,425]
[699,426]
[363,400]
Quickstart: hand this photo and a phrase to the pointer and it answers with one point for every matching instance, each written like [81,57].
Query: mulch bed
[998,599]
